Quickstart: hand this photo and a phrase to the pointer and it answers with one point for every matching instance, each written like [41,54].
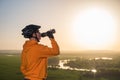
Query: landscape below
[67,66]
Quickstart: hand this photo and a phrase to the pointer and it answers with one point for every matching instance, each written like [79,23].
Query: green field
[9,67]
[10,70]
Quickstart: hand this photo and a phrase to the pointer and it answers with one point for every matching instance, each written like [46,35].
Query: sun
[94,29]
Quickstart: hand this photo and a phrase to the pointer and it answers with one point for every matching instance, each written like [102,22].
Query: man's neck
[33,39]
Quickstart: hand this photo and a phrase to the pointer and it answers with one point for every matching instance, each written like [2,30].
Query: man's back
[34,58]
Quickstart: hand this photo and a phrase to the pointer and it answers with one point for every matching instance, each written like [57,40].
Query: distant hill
[97,53]
[10,51]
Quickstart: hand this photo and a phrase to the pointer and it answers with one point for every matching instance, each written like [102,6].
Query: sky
[61,15]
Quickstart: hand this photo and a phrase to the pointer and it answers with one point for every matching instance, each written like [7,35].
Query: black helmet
[29,30]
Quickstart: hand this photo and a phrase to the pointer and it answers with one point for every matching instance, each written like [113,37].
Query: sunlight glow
[94,29]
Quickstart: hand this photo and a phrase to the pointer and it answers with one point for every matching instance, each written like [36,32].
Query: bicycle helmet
[29,30]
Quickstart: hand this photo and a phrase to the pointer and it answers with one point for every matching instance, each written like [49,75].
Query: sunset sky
[80,24]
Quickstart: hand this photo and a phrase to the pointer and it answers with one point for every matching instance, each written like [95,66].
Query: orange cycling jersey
[34,59]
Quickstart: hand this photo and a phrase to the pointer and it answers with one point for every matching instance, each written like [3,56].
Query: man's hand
[50,34]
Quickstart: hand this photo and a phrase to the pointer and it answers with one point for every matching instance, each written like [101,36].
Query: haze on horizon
[81,25]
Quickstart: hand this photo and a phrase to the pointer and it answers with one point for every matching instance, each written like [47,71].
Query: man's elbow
[57,52]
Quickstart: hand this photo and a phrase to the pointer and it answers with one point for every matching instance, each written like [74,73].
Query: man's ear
[34,35]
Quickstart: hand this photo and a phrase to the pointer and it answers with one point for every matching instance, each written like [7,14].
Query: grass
[62,74]
[9,68]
